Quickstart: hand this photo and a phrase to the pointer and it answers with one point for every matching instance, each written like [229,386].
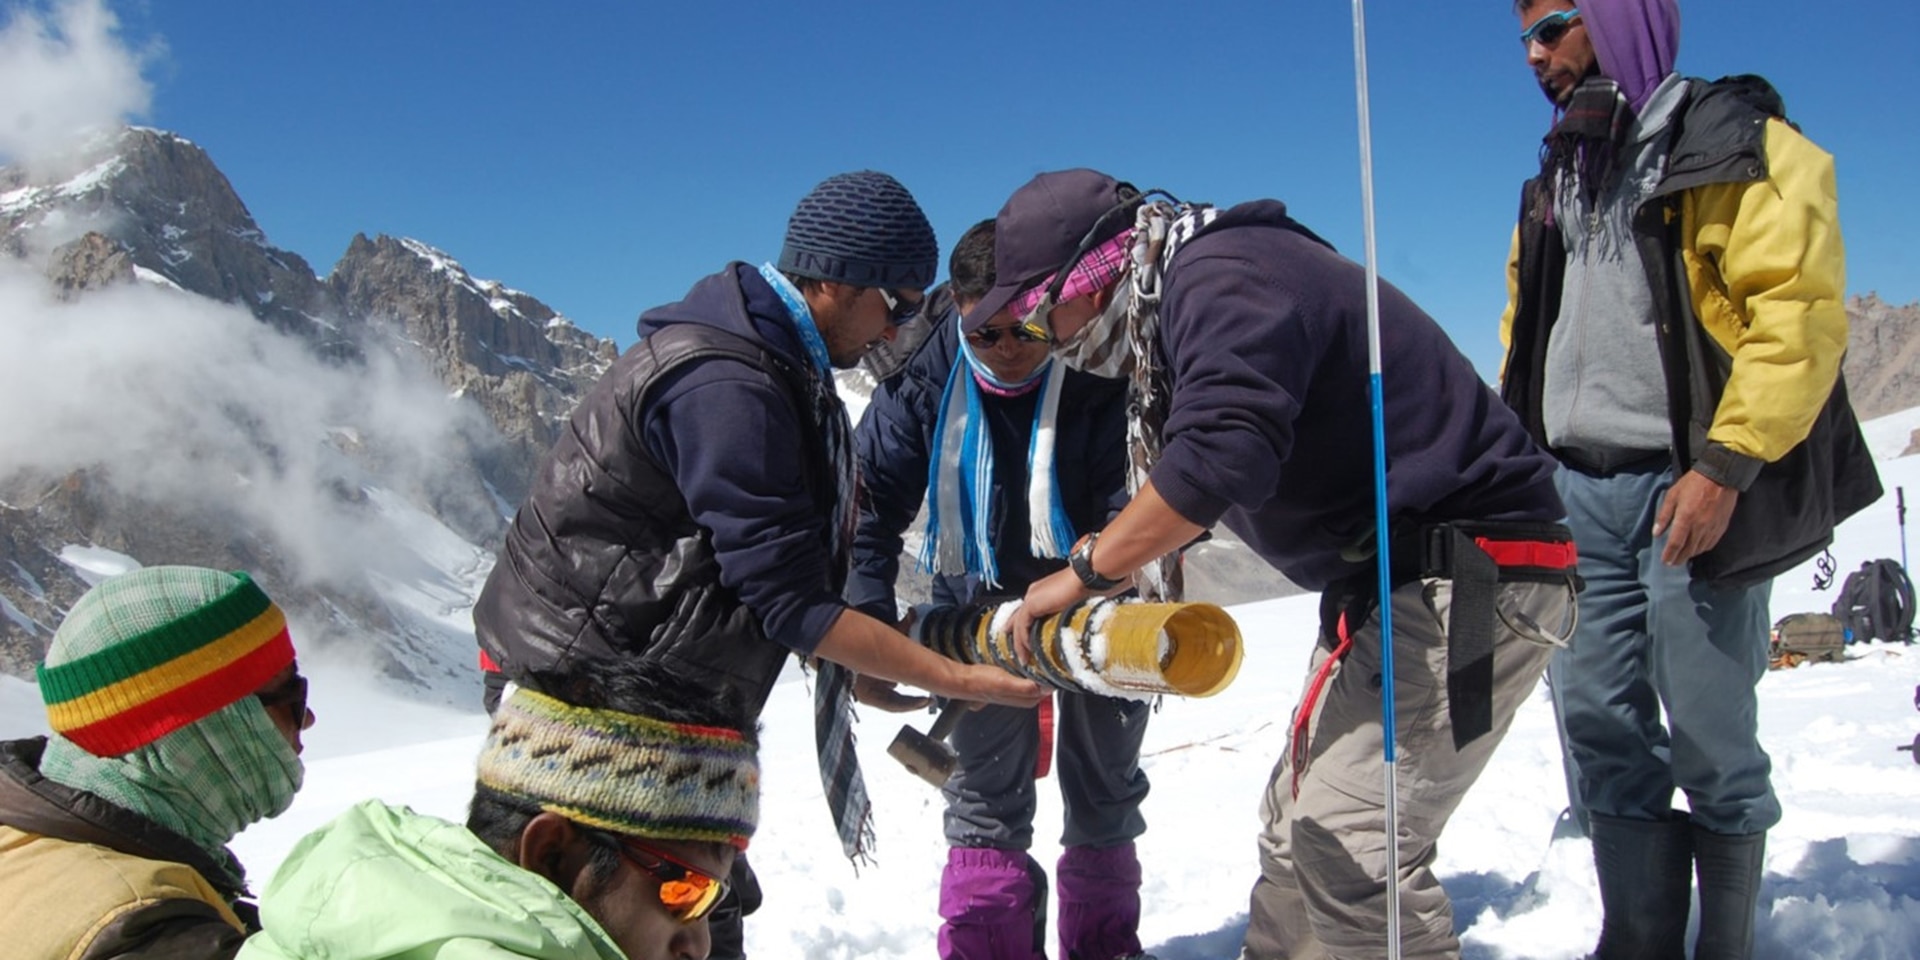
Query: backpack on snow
[1876,603]
[1802,637]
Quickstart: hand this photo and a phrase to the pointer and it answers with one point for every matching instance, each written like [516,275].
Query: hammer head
[928,758]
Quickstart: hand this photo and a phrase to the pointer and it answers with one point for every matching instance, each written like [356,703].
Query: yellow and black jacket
[1741,241]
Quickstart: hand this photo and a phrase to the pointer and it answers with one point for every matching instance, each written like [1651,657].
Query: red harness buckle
[1539,554]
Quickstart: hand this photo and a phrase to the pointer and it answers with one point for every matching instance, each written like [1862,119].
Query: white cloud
[64,72]
[182,400]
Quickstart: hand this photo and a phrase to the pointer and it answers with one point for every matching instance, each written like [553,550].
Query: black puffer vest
[604,558]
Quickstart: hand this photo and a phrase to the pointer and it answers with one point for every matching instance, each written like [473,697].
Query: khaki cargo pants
[1322,890]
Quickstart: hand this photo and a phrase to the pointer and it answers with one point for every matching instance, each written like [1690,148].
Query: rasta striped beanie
[623,772]
[148,652]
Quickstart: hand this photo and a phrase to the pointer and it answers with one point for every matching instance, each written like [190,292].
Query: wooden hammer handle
[949,718]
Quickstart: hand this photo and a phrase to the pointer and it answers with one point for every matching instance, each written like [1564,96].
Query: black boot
[1730,868]
[1646,878]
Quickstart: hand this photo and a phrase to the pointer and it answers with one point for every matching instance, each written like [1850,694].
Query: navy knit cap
[863,229]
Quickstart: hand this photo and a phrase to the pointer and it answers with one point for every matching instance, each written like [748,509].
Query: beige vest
[56,896]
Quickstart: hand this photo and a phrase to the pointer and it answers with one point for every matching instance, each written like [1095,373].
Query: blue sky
[602,156]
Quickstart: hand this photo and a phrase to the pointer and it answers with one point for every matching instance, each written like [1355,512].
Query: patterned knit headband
[141,687]
[623,772]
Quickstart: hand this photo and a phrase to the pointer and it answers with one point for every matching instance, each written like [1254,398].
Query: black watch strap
[1080,558]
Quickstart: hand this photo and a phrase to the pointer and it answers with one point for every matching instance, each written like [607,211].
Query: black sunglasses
[988,336]
[899,308]
[1548,30]
[291,694]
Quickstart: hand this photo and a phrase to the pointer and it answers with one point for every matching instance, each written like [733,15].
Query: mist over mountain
[179,390]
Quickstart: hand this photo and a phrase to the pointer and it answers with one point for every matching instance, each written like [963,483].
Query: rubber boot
[1099,903]
[992,906]
[1646,880]
[1729,867]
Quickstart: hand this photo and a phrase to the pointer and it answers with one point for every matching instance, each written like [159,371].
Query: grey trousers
[1323,858]
[1657,690]
[991,800]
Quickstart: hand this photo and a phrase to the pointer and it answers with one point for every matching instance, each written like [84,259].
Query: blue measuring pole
[1380,539]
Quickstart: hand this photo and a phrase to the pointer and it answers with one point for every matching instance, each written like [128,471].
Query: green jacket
[385,882]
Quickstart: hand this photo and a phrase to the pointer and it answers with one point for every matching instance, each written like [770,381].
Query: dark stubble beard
[1564,97]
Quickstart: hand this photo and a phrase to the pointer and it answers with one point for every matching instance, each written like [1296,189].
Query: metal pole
[1380,537]
[1900,498]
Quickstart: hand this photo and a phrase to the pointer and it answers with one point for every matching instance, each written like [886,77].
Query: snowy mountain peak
[324,442]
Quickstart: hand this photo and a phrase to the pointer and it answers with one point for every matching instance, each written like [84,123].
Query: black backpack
[1876,603]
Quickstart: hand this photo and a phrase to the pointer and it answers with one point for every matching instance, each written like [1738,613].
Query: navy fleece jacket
[733,440]
[896,443]
[1263,331]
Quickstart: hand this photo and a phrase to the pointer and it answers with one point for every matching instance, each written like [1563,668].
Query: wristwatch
[1080,559]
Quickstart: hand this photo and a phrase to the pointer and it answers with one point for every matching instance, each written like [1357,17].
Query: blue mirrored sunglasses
[1549,29]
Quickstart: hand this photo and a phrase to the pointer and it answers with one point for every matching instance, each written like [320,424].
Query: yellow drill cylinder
[1109,647]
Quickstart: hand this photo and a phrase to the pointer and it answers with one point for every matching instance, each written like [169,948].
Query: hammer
[927,755]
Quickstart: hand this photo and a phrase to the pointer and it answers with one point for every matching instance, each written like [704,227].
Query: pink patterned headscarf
[1096,271]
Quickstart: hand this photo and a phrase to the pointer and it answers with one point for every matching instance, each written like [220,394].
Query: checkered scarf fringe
[833,715]
[1160,230]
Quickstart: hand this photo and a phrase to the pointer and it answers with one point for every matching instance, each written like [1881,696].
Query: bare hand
[885,695]
[981,683]
[1694,516]
[1046,597]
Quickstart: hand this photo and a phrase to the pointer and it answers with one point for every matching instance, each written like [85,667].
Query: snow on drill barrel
[1113,648]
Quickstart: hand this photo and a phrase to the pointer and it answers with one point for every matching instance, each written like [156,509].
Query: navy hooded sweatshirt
[1263,334]
[732,439]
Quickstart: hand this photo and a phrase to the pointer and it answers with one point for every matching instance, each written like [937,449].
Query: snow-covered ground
[1842,875]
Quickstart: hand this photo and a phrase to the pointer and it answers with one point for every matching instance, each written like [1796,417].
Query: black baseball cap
[1041,227]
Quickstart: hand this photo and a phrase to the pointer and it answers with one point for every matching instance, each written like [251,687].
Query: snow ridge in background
[1842,876]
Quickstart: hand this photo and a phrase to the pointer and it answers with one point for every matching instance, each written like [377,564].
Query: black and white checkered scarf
[1120,343]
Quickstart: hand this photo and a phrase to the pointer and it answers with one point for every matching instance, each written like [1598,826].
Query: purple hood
[1635,41]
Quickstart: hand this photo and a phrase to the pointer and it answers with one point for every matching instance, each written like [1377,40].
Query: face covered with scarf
[172,693]
[1088,323]
[1002,359]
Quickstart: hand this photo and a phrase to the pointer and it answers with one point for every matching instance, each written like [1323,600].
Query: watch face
[1081,560]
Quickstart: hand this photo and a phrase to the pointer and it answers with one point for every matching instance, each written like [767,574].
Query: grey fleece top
[1605,394]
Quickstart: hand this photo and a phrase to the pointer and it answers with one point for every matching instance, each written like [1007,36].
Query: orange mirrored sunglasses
[685,891]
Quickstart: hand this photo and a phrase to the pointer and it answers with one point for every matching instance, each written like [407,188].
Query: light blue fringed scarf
[960,475]
[833,716]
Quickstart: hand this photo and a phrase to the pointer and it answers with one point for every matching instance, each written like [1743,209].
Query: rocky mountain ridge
[150,211]
[1883,356]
